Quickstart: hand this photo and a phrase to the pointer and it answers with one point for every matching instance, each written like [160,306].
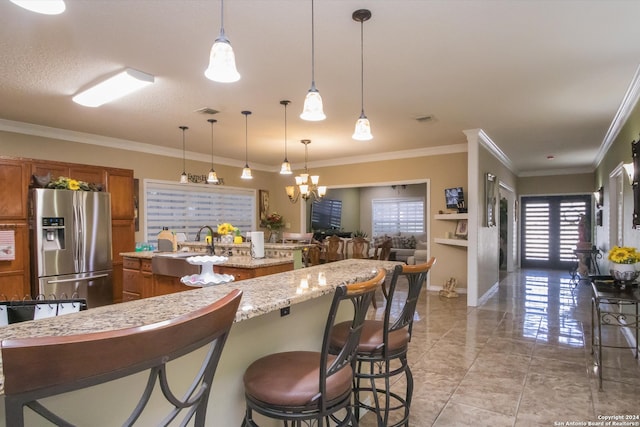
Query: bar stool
[301,386]
[383,343]
[40,367]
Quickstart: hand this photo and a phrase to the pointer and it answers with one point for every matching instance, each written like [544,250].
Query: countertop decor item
[206,277]
[623,263]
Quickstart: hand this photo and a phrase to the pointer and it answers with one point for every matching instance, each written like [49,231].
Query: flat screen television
[454,197]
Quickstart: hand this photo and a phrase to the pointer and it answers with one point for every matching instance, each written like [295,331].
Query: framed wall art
[490,199]
[264,205]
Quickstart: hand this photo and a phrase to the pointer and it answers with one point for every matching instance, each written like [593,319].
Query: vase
[623,272]
[226,238]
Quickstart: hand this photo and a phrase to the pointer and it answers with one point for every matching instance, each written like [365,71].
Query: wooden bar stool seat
[310,387]
[39,367]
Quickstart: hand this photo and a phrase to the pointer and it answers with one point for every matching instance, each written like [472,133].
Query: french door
[551,228]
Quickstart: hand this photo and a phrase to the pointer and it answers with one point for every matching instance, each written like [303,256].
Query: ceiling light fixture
[246,171]
[312,109]
[363,128]
[304,189]
[212,177]
[285,169]
[46,7]
[183,178]
[222,60]
[115,87]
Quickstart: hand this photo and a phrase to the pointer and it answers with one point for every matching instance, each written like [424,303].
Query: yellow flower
[73,184]
[623,255]
[225,228]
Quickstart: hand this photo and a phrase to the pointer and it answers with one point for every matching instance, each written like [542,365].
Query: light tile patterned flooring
[521,359]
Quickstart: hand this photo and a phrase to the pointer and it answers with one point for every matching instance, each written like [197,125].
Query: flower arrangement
[226,228]
[66,183]
[273,221]
[623,255]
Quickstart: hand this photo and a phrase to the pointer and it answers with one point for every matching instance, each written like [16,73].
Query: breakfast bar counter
[260,328]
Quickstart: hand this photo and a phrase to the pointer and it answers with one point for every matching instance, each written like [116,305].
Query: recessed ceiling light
[113,88]
[46,7]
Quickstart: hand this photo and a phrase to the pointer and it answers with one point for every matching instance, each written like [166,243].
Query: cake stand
[206,277]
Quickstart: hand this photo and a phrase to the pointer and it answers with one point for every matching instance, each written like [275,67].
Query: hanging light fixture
[285,169]
[222,60]
[312,110]
[246,171]
[212,177]
[303,188]
[363,128]
[184,179]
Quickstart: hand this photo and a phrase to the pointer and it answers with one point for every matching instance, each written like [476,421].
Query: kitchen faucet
[210,249]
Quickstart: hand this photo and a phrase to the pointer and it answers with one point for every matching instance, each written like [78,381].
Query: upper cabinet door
[120,185]
[14,189]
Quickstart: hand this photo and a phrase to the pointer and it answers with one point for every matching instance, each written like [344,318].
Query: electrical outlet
[284,311]
[287,225]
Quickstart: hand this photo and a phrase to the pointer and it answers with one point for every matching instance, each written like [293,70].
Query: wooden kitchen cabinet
[120,185]
[250,273]
[137,278]
[164,285]
[14,191]
[15,274]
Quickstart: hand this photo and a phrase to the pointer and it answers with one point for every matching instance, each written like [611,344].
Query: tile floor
[521,359]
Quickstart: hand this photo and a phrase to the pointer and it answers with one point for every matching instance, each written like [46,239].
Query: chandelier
[303,187]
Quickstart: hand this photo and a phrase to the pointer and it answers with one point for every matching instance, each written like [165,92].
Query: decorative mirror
[490,199]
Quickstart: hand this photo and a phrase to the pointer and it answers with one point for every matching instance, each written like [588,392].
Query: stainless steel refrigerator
[71,245]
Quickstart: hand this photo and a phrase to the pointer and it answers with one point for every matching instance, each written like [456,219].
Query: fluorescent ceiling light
[46,7]
[113,88]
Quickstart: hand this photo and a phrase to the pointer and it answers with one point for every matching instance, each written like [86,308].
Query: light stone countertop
[237,261]
[261,295]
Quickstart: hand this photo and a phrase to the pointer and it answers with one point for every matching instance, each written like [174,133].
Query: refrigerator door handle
[78,279]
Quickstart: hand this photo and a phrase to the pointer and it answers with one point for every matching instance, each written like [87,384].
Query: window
[186,208]
[390,216]
[326,214]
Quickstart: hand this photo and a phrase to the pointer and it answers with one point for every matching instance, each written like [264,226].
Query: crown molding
[627,105]
[117,143]
[124,144]
[487,142]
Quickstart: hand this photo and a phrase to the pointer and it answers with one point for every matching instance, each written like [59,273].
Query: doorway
[551,228]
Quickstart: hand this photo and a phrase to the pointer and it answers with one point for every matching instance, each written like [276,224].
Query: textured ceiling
[540,77]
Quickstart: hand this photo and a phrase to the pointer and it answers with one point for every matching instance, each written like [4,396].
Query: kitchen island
[259,329]
[147,274]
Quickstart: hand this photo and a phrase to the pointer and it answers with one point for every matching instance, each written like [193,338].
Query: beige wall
[618,153]
[557,184]
[442,171]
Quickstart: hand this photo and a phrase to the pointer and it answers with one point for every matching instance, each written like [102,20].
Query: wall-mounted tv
[454,197]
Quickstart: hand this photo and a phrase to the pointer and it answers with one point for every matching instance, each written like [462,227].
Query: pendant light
[246,171]
[222,60]
[184,179]
[312,110]
[212,177]
[285,169]
[363,128]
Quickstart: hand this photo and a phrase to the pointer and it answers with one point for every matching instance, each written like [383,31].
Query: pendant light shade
[363,127]
[246,171]
[222,60]
[313,110]
[184,179]
[285,168]
[212,177]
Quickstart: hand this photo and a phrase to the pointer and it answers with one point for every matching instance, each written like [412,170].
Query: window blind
[397,215]
[186,208]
